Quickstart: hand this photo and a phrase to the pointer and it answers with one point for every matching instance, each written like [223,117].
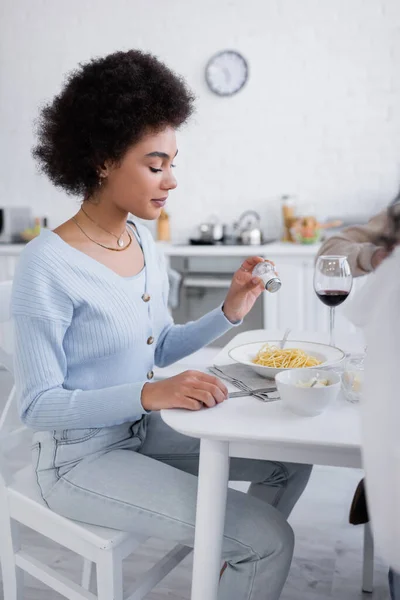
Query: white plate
[244,354]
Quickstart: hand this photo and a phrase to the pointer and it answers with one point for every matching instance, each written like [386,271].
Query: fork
[237,382]
[240,384]
[285,337]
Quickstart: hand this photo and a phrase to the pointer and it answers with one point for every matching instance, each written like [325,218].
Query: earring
[101,179]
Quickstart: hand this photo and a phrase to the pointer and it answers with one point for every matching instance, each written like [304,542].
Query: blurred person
[376,309]
[361,244]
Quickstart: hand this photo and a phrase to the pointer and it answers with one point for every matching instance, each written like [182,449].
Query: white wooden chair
[368,561]
[21,503]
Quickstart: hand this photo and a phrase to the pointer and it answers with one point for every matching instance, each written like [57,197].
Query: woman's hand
[244,291]
[191,390]
[379,256]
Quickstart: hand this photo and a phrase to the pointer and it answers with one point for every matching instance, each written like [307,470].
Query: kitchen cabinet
[204,285]
[9,254]
[295,305]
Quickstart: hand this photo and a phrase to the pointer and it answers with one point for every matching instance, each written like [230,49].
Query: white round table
[248,428]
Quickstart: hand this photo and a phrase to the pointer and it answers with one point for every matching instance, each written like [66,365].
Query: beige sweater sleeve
[358,243]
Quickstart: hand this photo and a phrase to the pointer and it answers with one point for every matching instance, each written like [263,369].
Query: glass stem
[331,326]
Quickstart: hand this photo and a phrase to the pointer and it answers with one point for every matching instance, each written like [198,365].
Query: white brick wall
[320,116]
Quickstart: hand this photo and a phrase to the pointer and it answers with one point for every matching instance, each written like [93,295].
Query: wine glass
[332,284]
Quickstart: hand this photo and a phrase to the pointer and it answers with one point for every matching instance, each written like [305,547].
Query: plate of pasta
[267,358]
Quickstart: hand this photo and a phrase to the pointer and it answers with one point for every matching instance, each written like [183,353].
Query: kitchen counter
[272,249]
[11,249]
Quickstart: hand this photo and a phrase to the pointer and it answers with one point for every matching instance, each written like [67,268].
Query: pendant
[120,242]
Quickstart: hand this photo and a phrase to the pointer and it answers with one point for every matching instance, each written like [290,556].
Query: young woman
[91,321]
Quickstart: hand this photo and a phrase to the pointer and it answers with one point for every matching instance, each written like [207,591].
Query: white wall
[320,116]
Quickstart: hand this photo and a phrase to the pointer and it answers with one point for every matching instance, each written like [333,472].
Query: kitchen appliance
[204,285]
[226,241]
[248,228]
[211,232]
[14,220]
[246,231]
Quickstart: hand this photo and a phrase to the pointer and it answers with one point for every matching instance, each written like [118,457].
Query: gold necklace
[120,241]
[102,245]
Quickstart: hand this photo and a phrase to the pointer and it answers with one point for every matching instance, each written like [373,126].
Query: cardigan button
[150,375]
[146,297]
[150,340]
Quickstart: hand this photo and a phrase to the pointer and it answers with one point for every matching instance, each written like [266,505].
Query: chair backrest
[6,335]
[12,433]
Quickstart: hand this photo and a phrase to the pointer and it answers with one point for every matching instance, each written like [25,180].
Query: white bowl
[307,402]
[246,353]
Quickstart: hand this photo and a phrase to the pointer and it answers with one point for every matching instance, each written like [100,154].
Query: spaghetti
[290,358]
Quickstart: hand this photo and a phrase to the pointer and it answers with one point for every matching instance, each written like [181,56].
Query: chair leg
[87,573]
[13,576]
[368,562]
[109,576]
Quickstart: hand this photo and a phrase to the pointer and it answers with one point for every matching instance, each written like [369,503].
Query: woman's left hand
[244,291]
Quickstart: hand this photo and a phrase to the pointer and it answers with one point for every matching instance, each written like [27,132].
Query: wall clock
[226,73]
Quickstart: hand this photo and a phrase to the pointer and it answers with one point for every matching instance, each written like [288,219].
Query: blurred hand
[190,389]
[244,291]
[378,256]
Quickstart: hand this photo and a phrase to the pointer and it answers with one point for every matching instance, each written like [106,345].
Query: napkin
[246,376]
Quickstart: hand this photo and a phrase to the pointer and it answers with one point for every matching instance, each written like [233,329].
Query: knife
[270,394]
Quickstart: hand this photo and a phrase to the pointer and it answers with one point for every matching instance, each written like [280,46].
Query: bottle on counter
[163,227]
[289,217]
[37,226]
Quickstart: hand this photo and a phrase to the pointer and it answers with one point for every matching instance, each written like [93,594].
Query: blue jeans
[394,585]
[142,477]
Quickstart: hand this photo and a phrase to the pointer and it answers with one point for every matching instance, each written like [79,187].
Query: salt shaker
[266,272]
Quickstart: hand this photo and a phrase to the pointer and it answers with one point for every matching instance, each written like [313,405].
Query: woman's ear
[103,170]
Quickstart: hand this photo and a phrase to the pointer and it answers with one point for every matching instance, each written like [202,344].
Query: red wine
[332,297]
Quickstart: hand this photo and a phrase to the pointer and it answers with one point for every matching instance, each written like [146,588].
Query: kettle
[249,229]
[212,231]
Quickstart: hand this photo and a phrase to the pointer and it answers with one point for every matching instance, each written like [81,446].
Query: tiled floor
[326,564]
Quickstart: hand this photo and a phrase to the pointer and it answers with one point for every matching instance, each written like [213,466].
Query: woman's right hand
[379,256]
[190,389]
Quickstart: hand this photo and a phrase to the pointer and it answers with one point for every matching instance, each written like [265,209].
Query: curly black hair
[106,106]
